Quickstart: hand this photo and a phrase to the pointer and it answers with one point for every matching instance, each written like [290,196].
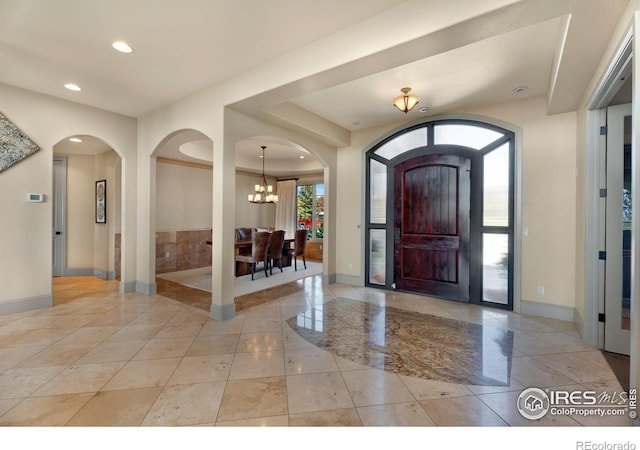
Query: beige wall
[80,211]
[184,197]
[548,199]
[248,214]
[25,234]
[90,246]
[107,164]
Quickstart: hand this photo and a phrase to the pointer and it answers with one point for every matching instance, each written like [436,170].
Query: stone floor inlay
[409,343]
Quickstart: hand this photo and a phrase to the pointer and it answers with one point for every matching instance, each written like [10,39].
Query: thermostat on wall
[39,198]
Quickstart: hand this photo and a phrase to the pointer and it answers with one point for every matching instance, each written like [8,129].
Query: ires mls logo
[533,403]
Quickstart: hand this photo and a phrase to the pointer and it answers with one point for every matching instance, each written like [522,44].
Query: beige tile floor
[102,359]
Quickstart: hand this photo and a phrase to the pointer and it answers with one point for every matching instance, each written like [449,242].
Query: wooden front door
[432,210]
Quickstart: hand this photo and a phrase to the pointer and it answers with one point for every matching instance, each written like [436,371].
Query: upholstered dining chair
[299,248]
[259,250]
[275,249]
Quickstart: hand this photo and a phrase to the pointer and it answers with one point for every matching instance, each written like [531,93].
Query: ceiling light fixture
[72,87]
[263,191]
[122,47]
[75,139]
[406,101]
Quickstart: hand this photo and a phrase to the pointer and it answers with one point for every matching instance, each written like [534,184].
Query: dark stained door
[431,242]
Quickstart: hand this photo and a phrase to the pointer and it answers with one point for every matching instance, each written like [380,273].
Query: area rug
[201,278]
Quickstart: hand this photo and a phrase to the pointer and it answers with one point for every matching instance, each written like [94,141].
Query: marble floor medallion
[409,343]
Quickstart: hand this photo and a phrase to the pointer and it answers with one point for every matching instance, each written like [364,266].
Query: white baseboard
[349,279]
[548,310]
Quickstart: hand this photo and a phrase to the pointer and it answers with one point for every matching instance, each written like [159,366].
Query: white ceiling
[455,54]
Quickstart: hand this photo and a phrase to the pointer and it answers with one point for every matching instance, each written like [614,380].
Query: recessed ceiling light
[72,87]
[520,90]
[355,124]
[301,157]
[424,109]
[122,47]
[75,139]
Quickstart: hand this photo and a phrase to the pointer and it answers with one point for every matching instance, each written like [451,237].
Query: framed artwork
[101,201]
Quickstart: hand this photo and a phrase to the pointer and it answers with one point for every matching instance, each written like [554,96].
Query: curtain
[286,210]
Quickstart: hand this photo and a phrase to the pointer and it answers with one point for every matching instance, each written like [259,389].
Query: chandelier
[406,101]
[263,191]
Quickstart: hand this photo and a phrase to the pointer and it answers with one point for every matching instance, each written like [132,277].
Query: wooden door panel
[429,264]
[432,201]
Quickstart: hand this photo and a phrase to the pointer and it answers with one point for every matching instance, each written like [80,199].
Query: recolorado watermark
[535,403]
[589,445]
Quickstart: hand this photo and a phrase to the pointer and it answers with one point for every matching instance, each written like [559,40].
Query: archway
[87,191]
[182,190]
[297,175]
[183,165]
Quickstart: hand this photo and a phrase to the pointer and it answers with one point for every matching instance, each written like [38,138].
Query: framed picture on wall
[101,201]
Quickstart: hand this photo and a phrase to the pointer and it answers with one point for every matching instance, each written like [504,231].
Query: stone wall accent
[182,249]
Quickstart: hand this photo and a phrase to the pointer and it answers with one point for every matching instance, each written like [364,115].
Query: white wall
[25,228]
[184,197]
[248,214]
[90,245]
[549,199]
[80,233]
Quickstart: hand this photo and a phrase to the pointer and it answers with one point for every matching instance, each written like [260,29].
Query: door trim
[59,201]
[489,122]
[616,339]
[460,289]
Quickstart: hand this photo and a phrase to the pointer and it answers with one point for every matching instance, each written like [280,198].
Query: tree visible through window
[311,209]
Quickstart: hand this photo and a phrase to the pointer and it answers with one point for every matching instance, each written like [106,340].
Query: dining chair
[275,249]
[299,247]
[259,250]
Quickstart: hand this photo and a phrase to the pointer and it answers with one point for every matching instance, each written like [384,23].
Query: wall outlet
[541,290]
[167,255]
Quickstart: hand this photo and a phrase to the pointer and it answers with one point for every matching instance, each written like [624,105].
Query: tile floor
[101,359]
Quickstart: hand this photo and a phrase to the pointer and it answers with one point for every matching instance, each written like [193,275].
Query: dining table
[243,247]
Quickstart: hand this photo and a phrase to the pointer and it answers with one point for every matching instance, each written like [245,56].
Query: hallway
[101,359]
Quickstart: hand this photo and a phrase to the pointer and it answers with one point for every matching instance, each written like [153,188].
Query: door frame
[60,205]
[516,167]
[616,339]
[450,160]
[620,67]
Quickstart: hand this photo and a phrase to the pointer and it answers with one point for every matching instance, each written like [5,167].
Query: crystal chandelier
[263,191]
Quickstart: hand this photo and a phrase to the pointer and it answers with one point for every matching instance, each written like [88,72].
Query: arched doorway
[440,212]
[87,231]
